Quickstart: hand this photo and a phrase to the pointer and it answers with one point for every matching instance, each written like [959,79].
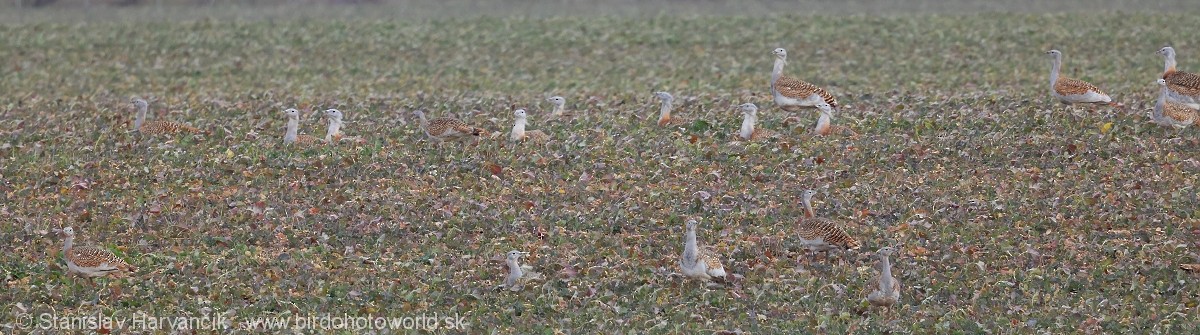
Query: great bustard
[443,128]
[1071,91]
[665,118]
[519,134]
[518,275]
[559,105]
[825,126]
[698,261]
[888,291]
[750,130]
[334,134]
[142,126]
[1184,86]
[1168,113]
[819,234]
[89,261]
[293,128]
[792,94]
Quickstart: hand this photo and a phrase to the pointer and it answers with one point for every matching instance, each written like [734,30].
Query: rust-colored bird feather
[89,261]
[306,139]
[89,256]
[799,89]
[826,230]
[442,128]
[167,127]
[1071,86]
[1185,83]
[1181,114]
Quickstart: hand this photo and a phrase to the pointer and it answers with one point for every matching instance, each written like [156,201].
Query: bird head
[664,96]
[748,109]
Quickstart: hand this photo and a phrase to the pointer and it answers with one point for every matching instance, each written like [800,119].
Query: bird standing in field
[1184,87]
[825,127]
[664,112]
[443,128]
[142,126]
[517,275]
[90,262]
[749,130]
[559,105]
[1071,91]
[696,261]
[519,134]
[1168,113]
[293,125]
[334,134]
[888,292]
[792,94]
[819,234]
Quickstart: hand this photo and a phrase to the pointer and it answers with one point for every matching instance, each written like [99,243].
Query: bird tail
[194,130]
[853,244]
[128,268]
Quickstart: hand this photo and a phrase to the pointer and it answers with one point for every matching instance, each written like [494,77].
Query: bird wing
[168,127]
[712,261]
[438,127]
[799,89]
[90,257]
[1071,86]
[463,127]
[537,136]
[1185,83]
[761,134]
[846,130]
[828,231]
[1180,113]
[306,139]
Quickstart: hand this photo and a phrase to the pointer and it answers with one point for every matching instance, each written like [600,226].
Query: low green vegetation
[1011,212]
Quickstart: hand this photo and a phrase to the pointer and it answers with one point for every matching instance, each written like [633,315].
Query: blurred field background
[415,9]
[1013,215]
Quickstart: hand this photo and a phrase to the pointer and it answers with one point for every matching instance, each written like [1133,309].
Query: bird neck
[748,126]
[141,117]
[664,112]
[1159,106]
[778,70]
[808,210]
[690,249]
[335,127]
[514,268]
[518,130]
[70,242]
[1170,63]
[885,276]
[1054,67]
[424,121]
[822,123]
[293,126]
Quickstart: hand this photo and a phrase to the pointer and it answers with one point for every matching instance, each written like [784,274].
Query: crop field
[1011,212]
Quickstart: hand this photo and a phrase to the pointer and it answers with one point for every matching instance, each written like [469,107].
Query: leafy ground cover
[1012,213]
